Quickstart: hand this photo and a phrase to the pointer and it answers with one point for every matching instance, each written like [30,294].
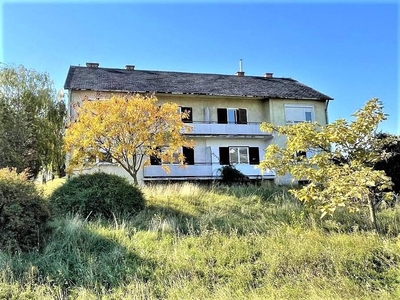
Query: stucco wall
[256,111]
[206,149]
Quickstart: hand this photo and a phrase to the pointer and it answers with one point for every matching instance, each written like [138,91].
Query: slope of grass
[194,242]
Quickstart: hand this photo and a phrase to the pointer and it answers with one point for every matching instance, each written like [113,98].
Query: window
[105,157]
[187,110]
[296,114]
[239,155]
[232,115]
[188,154]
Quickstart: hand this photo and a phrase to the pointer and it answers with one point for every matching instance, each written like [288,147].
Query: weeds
[200,242]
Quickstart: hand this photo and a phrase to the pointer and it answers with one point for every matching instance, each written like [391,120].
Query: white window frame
[231,110]
[305,108]
[237,149]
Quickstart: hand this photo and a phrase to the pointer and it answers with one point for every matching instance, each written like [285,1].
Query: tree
[130,129]
[340,162]
[31,122]
[391,165]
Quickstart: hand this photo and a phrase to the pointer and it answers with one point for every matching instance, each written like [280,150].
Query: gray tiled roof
[107,79]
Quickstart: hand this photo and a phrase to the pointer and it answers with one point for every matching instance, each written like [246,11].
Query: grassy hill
[196,242]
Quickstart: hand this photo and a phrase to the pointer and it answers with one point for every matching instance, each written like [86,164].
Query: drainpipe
[326,112]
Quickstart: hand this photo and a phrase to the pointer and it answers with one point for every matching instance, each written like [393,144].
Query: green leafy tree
[339,164]
[31,122]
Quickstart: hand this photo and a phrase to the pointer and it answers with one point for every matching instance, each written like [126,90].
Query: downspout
[326,111]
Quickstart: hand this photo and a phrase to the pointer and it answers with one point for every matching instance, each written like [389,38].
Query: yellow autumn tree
[129,129]
[339,163]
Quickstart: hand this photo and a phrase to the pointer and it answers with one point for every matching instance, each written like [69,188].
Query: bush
[98,194]
[23,213]
[230,174]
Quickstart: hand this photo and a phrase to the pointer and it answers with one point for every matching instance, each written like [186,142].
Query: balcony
[200,172]
[229,130]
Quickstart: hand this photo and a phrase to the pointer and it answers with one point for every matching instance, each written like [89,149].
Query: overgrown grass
[217,242]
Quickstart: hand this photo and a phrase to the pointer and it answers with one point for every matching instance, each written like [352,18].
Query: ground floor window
[188,154]
[239,155]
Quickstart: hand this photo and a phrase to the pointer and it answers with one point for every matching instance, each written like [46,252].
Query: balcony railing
[204,171]
[215,129]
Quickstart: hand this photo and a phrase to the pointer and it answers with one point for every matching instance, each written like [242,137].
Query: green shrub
[23,213]
[98,194]
[230,174]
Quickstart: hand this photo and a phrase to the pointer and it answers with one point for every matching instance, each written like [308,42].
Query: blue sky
[348,51]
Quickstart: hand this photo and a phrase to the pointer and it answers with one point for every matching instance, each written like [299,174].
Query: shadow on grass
[161,218]
[76,256]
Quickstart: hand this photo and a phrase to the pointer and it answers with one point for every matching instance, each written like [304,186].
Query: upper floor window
[298,113]
[232,115]
[188,118]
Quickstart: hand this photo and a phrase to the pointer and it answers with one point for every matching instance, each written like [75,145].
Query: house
[225,111]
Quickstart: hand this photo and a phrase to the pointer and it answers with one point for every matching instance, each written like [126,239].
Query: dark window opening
[188,118]
[154,160]
[254,155]
[105,157]
[224,155]
[188,153]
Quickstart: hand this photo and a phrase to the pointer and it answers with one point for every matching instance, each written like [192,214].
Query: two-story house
[225,112]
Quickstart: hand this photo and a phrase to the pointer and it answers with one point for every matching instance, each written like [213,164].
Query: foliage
[391,164]
[129,129]
[31,123]
[340,166]
[23,213]
[247,244]
[97,194]
[230,174]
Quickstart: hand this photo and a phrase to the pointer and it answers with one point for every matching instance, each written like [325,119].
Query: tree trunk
[372,213]
[135,180]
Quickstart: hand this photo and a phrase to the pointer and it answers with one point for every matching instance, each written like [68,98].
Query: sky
[346,50]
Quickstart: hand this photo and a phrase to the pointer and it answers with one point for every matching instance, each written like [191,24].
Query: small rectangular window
[154,160]
[188,118]
[238,155]
[224,155]
[241,116]
[222,116]
[231,115]
[254,155]
[188,153]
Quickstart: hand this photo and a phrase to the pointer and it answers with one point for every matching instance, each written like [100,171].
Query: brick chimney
[268,75]
[130,67]
[92,65]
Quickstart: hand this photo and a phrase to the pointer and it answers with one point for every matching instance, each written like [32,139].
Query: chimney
[240,73]
[92,65]
[268,75]
[130,67]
